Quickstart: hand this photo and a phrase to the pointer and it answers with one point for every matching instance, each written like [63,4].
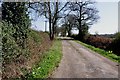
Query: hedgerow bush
[35,36]
[99,42]
[10,48]
[15,29]
[16,13]
[75,36]
[109,44]
[0,42]
[115,46]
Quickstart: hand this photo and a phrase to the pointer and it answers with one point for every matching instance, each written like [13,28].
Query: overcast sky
[107,24]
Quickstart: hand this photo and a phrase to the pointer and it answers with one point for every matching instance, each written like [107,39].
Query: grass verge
[49,62]
[107,54]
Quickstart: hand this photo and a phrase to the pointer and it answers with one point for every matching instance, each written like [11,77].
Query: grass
[49,62]
[107,54]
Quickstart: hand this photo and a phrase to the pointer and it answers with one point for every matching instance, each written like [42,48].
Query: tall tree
[51,10]
[69,22]
[86,14]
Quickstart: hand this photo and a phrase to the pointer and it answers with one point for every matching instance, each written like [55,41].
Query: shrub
[75,36]
[100,42]
[115,46]
[108,44]
[35,36]
[10,48]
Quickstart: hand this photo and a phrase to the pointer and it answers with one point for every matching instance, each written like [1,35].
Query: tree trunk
[80,22]
[54,20]
[69,33]
[50,35]
[50,29]
[80,34]
[53,31]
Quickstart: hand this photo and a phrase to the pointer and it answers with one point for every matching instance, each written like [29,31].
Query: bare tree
[69,22]
[51,10]
[85,13]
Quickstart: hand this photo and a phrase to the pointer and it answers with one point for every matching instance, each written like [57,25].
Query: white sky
[107,24]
